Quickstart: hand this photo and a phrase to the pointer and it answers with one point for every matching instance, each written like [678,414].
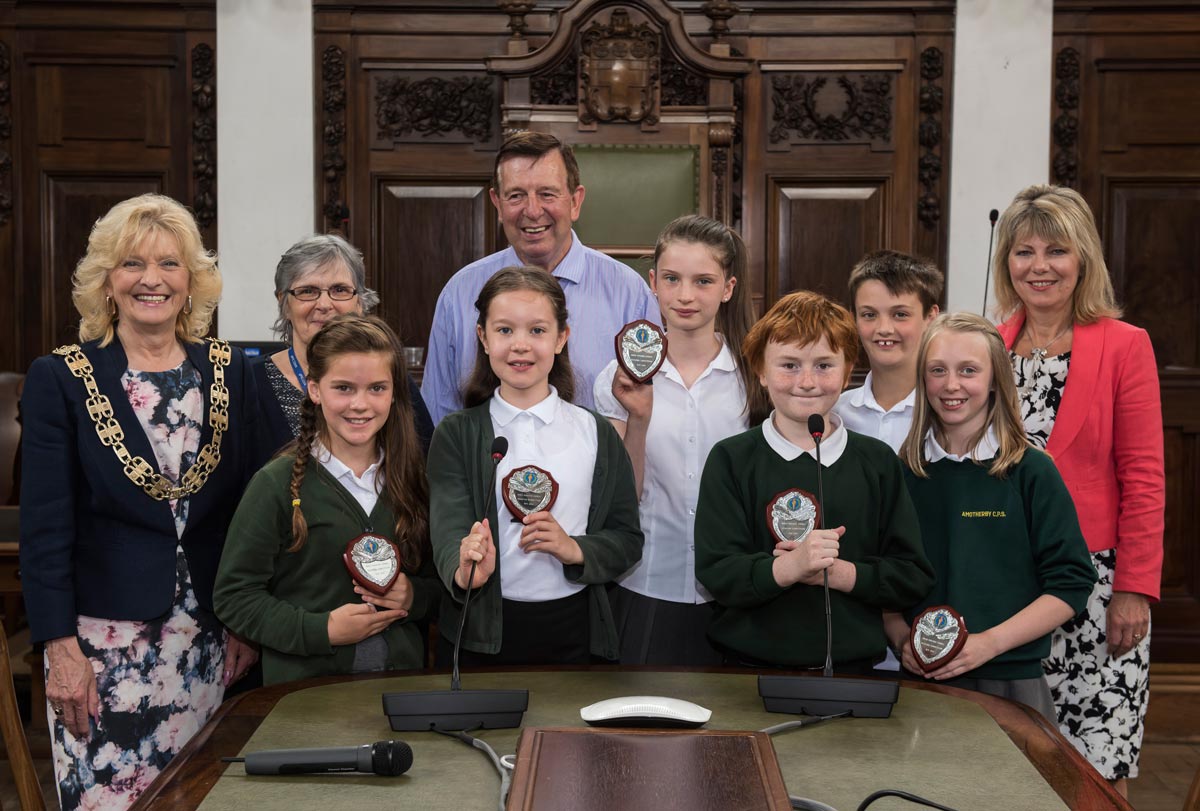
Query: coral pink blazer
[1107,443]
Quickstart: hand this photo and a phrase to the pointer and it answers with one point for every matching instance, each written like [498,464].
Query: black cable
[904,795]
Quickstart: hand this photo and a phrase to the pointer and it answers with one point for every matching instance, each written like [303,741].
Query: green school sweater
[282,599]
[999,544]
[755,616]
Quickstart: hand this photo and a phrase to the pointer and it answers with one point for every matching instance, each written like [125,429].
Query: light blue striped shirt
[602,294]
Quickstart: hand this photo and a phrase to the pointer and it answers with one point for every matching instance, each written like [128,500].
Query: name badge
[373,562]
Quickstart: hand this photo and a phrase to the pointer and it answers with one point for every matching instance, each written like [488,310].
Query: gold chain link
[137,469]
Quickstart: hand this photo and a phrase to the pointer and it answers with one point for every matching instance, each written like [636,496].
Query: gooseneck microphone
[993,215]
[387,758]
[816,427]
[499,450]
[456,708]
[827,695]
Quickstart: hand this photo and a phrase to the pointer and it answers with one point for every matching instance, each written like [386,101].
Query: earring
[110,306]
[187,308]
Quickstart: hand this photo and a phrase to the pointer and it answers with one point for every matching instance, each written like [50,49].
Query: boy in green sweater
[757,549]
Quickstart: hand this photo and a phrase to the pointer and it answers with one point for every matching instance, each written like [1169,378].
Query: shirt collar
[723,362]
[987,448]
[570,269]
[338,469]
[504,412]
[833,445]
[865,396]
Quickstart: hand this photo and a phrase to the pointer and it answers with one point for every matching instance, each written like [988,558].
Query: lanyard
[299,372]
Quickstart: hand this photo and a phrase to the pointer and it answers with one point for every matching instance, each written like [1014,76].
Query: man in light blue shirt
[536,192]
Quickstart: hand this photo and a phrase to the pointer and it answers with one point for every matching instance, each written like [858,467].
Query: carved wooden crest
[619,72]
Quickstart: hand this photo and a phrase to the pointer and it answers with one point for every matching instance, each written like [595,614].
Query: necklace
[137,469]
[1039,353]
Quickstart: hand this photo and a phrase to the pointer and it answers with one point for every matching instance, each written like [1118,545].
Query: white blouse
[684,426]
[560,438]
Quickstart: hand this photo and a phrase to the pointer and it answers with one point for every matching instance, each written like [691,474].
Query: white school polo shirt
[862,414]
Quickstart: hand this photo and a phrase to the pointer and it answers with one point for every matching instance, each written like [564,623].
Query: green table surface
[938,746]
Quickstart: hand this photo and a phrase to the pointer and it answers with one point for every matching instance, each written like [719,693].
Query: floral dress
[158,680]
[1101,701]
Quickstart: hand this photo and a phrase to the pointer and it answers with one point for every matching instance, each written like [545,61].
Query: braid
[304,443]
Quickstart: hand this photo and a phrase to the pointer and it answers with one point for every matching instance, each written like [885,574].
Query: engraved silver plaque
[641,349]
[937,635]
[373,562]
[528,489]
[792,514]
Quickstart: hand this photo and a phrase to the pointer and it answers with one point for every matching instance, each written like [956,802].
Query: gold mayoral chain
[137,469]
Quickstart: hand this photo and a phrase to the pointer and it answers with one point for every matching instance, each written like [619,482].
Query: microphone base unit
[454,710]
[819,695]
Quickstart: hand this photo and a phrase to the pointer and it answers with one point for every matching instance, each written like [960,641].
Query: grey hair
[313,253]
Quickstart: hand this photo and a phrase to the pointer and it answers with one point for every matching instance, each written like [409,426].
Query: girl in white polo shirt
[538,580]
[702,394]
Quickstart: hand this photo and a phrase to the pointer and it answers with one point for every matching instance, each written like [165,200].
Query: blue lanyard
[299,372]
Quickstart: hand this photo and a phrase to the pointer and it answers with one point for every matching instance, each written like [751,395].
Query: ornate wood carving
[415,109]
[560,86]
[333,137]
[680,86]
[619,72]
[809,108]
[516,11]
[720,138]
[204,135]
[719,12]
[6,172]
[1066,124]
[929,135]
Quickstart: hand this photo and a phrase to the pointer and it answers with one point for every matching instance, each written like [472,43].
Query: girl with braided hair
[355,473]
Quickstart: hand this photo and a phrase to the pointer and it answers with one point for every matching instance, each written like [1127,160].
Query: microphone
[387,758]
[456,708]
[993,215]
[816,427]
[499,450]
[828,695]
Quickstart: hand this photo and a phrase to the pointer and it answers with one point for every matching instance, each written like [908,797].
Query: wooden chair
[29,790]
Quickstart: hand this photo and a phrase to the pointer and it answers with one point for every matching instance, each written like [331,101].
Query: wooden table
[190,778]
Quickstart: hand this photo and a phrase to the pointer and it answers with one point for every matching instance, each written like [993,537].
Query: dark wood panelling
[1127,135]
[819,230]
[109,99]
[427,231]
[73,204]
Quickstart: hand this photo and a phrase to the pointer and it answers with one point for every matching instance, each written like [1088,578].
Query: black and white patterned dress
[1101,701]
[160,680]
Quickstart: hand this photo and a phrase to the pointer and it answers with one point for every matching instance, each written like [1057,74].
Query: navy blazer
[94,543]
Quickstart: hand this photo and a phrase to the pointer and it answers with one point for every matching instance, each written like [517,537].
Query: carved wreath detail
[434,106]
[808,106]
[204,135]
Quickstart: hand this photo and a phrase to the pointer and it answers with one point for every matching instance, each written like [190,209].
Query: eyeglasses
[339,292]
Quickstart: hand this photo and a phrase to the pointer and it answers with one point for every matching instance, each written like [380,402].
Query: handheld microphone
[387,758]
[499,450]
[827,695]
[456,708]
[816,427]
[993,215]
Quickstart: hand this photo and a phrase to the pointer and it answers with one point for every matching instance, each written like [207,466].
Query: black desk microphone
[387,758]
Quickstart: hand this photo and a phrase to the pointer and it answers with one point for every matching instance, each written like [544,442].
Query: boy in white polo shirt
[894,298]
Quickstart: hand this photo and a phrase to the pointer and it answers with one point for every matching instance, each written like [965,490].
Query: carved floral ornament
[619,71]
[818,107]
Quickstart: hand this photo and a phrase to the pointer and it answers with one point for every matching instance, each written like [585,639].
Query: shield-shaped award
[937,635]
[792,514]
[641,349]
[374,562]
[528,489]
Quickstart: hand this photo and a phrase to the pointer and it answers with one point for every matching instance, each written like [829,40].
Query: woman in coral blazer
[1089,395]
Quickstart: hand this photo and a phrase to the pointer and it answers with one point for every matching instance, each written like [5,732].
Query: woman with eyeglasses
[317,278]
